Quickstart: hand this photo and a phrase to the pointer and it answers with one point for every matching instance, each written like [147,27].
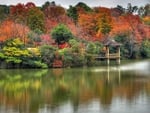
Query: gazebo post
[118,55]
[107,55]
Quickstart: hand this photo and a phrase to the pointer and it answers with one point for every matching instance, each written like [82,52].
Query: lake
[103,89]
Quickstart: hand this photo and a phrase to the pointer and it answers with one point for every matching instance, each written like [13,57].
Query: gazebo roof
[111,42]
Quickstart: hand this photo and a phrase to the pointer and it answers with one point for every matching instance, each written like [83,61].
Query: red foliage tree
[19,12]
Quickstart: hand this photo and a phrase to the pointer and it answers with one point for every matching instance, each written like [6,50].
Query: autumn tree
[10,29]
[19,12]
[53,11]
[29,5]
[104,20]
[88,23]
[54,14]
[18,9]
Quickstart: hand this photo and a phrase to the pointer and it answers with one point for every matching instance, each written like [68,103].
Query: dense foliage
[74,36]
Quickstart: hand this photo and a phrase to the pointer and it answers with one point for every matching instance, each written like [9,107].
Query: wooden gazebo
[109,42]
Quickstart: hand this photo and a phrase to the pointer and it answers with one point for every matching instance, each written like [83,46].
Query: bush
[75,45]
[89,59]
[15,55]
[67,56]
[14,51]
[71,59]
[78,60]
[30,63]
[91,48]
[47,54]
[99,47]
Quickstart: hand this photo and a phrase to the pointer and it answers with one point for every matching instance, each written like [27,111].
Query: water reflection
[98,90]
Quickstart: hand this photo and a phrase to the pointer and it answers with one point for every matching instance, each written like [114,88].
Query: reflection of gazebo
[107,55]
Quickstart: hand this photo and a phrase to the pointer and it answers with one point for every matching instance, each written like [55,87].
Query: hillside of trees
[33,36]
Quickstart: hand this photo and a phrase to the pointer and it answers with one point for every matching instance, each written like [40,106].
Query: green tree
[131,9]
[61,34]
[73,13]
[129,48]
[75,45]
[145,49]
[84,6]
[91,48]
[141,11]
[35,19]
[147,10]
[47,4]
[121,9]
[144,11]
[4,12]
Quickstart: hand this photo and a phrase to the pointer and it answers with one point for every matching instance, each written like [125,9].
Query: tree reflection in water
[32,91]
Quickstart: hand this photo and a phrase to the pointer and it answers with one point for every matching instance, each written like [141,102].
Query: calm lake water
[113,89]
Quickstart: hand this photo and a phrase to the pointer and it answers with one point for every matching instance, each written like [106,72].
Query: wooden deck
[110,56]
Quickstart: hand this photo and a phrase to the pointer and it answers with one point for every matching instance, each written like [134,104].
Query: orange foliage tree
[97,23]
[10,29]
[131,25]
[88,23]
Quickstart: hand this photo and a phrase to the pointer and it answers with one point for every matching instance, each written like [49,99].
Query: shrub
[91,48]
[67,56]
[78,60]
[15,55]
[47,54]
[75,45]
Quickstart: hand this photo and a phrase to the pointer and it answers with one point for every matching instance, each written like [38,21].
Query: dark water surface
[113,89]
